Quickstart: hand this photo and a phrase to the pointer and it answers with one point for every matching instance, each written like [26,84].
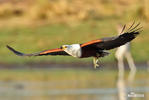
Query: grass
[30,39]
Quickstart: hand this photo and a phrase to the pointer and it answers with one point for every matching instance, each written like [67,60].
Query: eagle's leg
[95,62]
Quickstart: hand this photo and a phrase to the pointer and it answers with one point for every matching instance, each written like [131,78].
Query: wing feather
[53,52]
[113,42]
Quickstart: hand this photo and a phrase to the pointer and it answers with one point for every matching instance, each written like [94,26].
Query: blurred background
[36,25]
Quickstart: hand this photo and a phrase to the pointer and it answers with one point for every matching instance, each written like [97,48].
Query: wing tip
[135,29]
[14,51]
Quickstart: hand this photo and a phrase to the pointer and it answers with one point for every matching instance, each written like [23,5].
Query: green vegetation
[32,26]
[33,39]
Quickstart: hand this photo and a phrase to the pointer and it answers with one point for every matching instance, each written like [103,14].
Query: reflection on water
[20,90]
[50,89]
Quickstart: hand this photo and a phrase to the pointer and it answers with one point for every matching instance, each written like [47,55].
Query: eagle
[95,48]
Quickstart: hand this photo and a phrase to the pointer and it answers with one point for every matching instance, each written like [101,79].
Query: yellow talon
[95,61]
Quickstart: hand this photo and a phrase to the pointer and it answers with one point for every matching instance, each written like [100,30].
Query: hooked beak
[63,47]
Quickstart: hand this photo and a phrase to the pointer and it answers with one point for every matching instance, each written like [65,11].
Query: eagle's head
[74,49]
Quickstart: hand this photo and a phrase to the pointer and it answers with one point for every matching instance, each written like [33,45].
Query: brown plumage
[94,48]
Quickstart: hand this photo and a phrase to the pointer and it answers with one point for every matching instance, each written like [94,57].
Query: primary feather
[113,42]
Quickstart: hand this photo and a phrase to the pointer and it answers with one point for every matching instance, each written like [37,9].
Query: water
[69,84]
[14,90]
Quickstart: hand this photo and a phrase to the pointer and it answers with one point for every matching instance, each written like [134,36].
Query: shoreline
[74,65]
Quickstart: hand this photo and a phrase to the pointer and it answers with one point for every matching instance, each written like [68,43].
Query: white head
[73,50]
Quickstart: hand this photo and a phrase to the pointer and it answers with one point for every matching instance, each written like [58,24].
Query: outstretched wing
[113,42]
[53,52]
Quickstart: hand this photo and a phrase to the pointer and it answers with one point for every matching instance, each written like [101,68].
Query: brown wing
[113,42]
[53,52]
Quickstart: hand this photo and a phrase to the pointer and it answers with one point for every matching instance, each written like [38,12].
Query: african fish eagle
[95,48]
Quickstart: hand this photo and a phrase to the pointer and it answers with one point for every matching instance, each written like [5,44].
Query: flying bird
[95,48]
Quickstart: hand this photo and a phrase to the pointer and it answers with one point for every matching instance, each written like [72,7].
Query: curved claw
[95,62]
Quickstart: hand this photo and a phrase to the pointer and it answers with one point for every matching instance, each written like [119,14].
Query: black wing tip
[8,46]
[14,51]
[135,29]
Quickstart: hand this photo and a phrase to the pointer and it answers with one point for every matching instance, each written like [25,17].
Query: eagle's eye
[63,47]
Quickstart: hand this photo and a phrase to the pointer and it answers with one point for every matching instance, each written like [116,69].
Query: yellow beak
[64,47]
